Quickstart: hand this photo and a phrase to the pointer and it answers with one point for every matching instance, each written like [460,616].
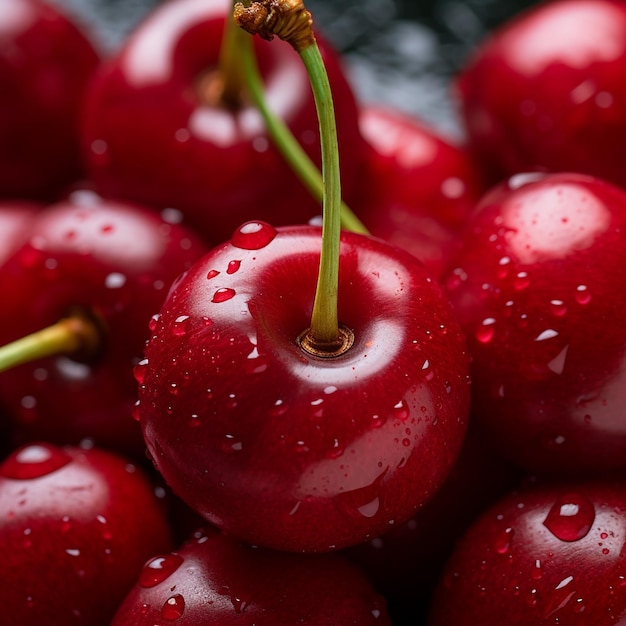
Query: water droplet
[173,608]
[180,325]
[486,330]
[503,541]
[233,266]
[154,320]
[400,410]
[139,371]
[570,518]
[159,568]
[370,509]
[583,296]
[279,408]
[253,235]
[537,572]
[521,281]
[558,308]
[212,274]
[34,461]
[223,294]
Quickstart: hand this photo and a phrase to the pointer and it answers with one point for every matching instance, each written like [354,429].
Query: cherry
[213,580]
[545,91]
[76,526]
[550,554]
[417,186]
[110,263]
[157,131]
[540,290]
[287,449]
[46,61]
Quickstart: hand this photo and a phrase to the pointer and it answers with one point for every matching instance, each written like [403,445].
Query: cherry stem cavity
[68,336]
[230,69]
[285,142]
[290,21]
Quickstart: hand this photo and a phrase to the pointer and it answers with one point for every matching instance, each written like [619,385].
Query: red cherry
[212,580]
[45,64]
[417,186]
[547,555]
[540,289]
[114,263]
[76,527]
[154,133]
[285,449]
[546,92]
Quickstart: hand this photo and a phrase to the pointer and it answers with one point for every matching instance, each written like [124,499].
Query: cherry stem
[283,138]
[290,21]
[67,336]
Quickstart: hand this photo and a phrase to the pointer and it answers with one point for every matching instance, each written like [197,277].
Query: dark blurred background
[399,52]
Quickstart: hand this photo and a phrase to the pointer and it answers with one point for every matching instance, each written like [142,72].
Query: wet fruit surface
[267,441]
[548,555]
[214,581]
[90,517]
[539,288]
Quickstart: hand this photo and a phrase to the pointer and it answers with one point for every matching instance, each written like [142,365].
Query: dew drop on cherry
[179,328]
[570,518]
[223,294]
[158,569]
[173,608]
[485,332]
[558,308]
[253,235]
[582,294]
[503,541]
[233,266]
[34,461]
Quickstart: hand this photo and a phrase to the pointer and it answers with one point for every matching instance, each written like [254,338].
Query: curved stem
[67,336]
[284,140]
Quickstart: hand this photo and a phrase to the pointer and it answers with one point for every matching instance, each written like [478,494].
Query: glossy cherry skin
[540,289]
[115,262]
[152,132]
[547,555]
[284,449]
[546,91]
[46,61]
[213,580]
[417,186]
[76,527]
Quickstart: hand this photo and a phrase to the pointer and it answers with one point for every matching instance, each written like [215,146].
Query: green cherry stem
[290,21]
[283,138]
[69,335]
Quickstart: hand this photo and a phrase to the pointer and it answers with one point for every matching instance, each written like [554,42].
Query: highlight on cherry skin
[293,451]
[76,526]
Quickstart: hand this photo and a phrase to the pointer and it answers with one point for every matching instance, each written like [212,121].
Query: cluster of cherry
[203,423]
